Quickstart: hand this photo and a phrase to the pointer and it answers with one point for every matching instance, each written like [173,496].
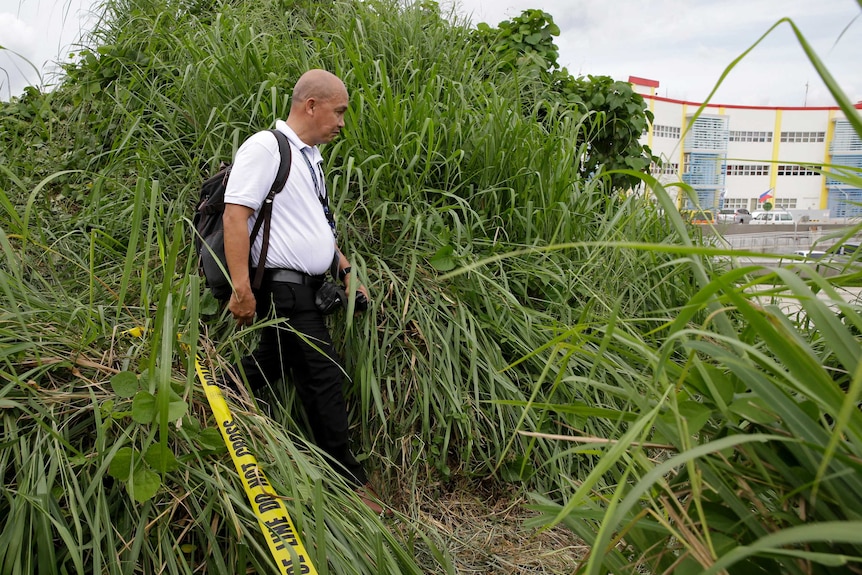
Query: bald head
[317,107]
[317,84]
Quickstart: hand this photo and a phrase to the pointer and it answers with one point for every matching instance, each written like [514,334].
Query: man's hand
[242,305]
[361,290]
[341,265]
[362,299]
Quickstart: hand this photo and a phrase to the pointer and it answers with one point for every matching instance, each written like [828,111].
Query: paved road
[792,305]
[783,240]
[778,239]
[735,229]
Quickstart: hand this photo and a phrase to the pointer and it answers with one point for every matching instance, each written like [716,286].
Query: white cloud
[19,41]
[17,35]
[40,32]
[687,44]
[684,44]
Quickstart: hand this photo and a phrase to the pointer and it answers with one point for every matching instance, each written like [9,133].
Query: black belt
[292,277]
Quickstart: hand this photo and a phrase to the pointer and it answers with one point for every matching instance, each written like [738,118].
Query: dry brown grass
[484,532]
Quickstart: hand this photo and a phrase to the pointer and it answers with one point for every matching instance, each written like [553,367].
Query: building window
[786,203]
[747,169]
[666,169]
[803,137]
[846,140]
[666,132]
[744,136]
[734,203]
[798,170]
[845,202]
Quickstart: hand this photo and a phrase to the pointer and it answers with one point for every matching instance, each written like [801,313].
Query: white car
[771,218]
[814,254]
[737,216]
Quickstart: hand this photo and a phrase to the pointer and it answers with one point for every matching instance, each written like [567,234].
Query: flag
[767,195]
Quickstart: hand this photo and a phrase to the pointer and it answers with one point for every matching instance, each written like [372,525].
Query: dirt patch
[485,533]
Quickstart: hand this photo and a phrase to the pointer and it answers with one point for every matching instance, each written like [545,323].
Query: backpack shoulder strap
[265,214]
[286,161]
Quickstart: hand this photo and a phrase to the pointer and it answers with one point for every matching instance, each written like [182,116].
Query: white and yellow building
[732,154]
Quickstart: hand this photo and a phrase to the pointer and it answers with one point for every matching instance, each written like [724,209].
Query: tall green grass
[513,302]
[760,410]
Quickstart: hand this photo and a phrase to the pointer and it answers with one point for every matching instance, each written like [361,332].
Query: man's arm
[236,249]
[343,265]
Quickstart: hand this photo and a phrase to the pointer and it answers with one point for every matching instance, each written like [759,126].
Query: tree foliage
[614,115]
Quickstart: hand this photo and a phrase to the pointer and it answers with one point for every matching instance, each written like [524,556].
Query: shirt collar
[311,151]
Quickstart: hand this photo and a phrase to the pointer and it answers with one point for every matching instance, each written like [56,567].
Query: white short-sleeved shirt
[300,236]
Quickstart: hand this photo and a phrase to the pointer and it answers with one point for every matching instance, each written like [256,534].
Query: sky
[36,34]
[685,45]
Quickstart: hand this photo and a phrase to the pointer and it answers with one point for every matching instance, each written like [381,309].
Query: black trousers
[300,349]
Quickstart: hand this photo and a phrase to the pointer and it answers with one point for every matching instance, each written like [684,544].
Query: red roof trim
[643,82]
[858,105]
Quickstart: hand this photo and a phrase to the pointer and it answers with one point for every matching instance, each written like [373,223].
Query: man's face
[329,116]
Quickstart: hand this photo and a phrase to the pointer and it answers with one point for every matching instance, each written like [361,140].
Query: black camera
[329,297]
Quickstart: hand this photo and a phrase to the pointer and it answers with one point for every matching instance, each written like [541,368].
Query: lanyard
[318,186]
[319,189]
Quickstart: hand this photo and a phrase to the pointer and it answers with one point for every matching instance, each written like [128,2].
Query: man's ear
[309,105]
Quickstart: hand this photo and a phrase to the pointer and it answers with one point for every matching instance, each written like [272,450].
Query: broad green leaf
[121,464]
[125,384]
[177,407]
[144,484]
[190,424]
[211,438]
[144,407]
[209,304]
[444,259]
[696,415]
[533,39]
[161,459]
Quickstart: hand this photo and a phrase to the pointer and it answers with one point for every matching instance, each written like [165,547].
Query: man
[301,249]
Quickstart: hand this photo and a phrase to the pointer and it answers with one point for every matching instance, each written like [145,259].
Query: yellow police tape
[275,522]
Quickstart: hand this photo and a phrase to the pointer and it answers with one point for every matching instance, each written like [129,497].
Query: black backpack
[209,228]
